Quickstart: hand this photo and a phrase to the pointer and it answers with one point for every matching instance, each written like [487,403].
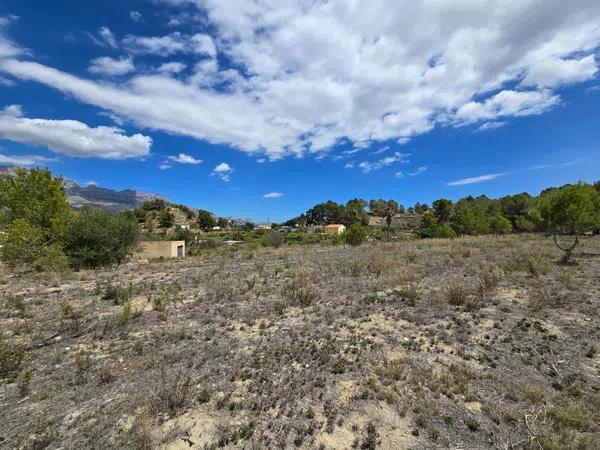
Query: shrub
[11,358]
[273,239]
[171,393]
[97,238]
[355,235]
[22,243]
[455,293]
[300,288]
[51,259]
[118,294]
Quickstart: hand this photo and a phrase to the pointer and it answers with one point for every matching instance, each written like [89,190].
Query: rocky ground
[468,343]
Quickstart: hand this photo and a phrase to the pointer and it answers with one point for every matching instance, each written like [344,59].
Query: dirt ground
[468,344]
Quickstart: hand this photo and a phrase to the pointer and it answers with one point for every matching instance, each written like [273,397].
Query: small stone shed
[162,249]
[334,229]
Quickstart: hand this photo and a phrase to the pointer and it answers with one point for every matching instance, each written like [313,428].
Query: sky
[262,109]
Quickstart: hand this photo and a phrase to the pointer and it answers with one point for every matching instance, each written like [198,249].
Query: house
[216,228]
[162,249]
[264,226]
[183,226]
[334,229]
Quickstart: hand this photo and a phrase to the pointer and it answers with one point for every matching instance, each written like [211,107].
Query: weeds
[455,293]
[300,289]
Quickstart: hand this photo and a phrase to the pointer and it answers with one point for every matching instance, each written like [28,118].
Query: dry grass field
[469,343]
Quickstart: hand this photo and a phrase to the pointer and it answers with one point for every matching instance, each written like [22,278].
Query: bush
[272,239]
[11,357]
[22,243]
[97,238]
[52,259]
[437,231]
[355,235]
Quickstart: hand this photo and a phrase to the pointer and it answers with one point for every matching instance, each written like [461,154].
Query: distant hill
[114,201]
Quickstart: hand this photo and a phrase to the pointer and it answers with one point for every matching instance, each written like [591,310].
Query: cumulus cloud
[368,167]
[182,158]
[71,137]
[223,171]
[303,76]
[110,66]
[273,195]
[475,180]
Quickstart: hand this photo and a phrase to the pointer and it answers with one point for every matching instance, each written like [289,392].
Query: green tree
[391,209]
[468,220]
[325,213]
[38,198]
[354,212]
[22,243]
[206,221]
[166,219]
[223,222]
[355,235]
[522,223]
[428,220]
[155,204]
[442,209]
[500,224]
[571,210]
[377,207]
[96,238]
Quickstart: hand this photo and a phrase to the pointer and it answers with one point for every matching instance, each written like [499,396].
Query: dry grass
[481,342]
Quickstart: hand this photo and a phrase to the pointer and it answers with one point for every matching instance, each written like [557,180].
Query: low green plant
[355,235]
[11,359]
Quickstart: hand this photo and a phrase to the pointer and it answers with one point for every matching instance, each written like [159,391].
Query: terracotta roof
[332,225]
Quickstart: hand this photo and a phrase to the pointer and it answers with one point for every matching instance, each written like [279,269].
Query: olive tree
[571,210]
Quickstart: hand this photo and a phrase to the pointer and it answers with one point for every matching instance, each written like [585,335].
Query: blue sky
[218,104]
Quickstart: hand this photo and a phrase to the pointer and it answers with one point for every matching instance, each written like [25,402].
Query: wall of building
[161,249]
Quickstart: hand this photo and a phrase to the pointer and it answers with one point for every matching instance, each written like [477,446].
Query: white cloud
[90,183]
[110,66]
[182,158]
[490,126]
[165,166]
[24,160]
[204,45]
[223,171]
[399,174]
[419,171]
[136,16]
[307,75]
[368,167]
[71,137]
[475,180]
[107,37]
[8,48]
[507,103]
[171,67]
[170,44]
[273,195]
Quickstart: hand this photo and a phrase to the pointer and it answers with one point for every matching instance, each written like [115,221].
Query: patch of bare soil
[466,343]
